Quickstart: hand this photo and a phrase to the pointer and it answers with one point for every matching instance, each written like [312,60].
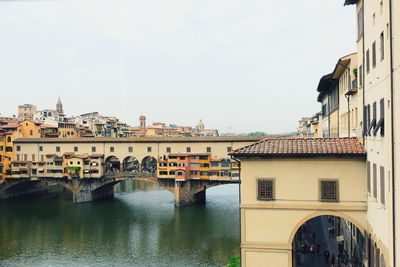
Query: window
[382,41]
[360,75]
[329,190]
[25,157]
[17,157]
[130,149]
[188,149]
[31,132]
[168,150]
[1,149]
[374,54]
[93,149]
[149,149]
[229,149]
[367,60]
[18,148]
[9,139]
[111,149]
[208,149]
[369,176]
[58,149]
[265,189]
[40,148]
[374,183]
[360,22]
[33,157]
[382,184]
[75,149]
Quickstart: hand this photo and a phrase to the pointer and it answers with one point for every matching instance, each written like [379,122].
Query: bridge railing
[111,175]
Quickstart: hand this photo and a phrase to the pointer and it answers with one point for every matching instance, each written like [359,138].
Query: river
[139,227]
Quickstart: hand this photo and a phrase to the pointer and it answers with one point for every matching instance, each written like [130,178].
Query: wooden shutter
[382,184]
[374,185]
[369,176]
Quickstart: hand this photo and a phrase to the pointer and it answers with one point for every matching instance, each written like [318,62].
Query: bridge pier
[189,192]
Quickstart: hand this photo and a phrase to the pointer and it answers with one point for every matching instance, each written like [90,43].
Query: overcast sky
[239,65]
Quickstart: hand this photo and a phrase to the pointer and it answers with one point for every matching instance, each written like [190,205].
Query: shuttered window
[382,184]
[369,176]
[329,190]
[265,189]
[374,184]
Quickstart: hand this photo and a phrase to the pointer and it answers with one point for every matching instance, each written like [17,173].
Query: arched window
[9,139]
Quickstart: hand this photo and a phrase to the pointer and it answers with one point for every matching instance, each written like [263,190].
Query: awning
[73,168]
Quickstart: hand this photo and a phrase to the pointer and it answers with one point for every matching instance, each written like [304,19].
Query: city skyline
[176,62]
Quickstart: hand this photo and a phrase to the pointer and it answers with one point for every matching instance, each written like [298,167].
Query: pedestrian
[330,231]
[327,255]
[317,249]
[333,260]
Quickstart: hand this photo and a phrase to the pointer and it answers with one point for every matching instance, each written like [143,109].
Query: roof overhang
[340,67]
[245,156]
[350,2]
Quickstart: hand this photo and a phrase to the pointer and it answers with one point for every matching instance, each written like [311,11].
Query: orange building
[183,166]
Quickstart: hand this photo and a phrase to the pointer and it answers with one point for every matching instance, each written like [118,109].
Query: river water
[139,227]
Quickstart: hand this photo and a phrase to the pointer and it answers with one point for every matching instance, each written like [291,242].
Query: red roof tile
[302,147]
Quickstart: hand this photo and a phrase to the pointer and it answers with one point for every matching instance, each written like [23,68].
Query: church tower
[59,106]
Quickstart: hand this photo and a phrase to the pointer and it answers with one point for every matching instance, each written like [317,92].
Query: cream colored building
[378,60]
[123,149]
[284,183]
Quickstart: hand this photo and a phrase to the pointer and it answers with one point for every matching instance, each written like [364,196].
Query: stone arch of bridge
[112,164]
[149,164]
[130,164]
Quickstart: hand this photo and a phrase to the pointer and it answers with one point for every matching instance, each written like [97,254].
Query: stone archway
[112,164]
[149,164]
[130,164]
[325,239]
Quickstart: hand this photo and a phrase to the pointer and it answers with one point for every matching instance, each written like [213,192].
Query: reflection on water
[140,227]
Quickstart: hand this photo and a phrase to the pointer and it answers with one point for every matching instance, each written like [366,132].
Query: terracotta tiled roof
[302,147]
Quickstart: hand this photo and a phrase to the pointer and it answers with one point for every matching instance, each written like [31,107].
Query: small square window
[149,149]
[188,149]
[265,189]
[208,149]
[40,148]
[18,148]
[130,149]
[329,190]
[75,149]
[58,149]
[229,149]
[93,149]
[168,150]
[112,149]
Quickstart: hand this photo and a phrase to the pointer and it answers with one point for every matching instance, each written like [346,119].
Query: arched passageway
[326,241]
[112,164]
[130,164]
[149,164]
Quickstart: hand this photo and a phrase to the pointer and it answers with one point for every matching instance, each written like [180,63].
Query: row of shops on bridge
[180,166]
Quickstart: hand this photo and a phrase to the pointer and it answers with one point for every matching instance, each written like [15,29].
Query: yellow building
[67,130]
[8,133]
[285,182]
[30,129]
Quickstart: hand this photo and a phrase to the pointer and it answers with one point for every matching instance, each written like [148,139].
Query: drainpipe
[392,131]
[240,210]
[348,115]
